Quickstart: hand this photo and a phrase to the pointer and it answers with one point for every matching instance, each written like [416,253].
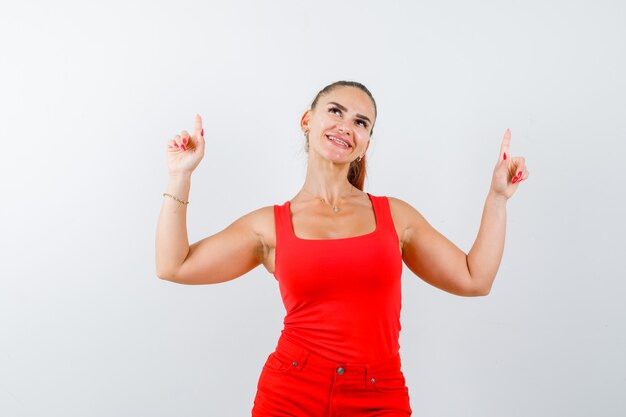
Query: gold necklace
[336,209]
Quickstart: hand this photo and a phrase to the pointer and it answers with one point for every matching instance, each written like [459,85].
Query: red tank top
[342,296]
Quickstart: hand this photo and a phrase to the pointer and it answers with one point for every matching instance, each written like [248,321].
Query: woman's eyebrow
[343,108]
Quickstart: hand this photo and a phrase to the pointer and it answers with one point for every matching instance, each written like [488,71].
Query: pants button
[294,363]
[373,380]
[340,370]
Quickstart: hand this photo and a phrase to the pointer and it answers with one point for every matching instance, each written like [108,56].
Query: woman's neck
[327,181]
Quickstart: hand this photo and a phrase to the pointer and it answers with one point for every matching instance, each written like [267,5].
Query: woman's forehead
[352,98]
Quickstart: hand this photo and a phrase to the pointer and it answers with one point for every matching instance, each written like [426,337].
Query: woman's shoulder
[259,222]
[402,212]
[405,217]
[394,203]
[259,216]
[266,213]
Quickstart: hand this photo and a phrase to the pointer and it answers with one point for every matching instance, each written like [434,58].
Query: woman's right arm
[172,244]
[218,258]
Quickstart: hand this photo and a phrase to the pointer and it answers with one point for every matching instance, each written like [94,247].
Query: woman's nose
[342,128]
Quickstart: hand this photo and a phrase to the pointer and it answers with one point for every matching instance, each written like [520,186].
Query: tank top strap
[384,220]
[282,221]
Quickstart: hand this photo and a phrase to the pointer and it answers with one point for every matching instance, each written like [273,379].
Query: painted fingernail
[184,141]
[183,147]
[519,174]
[514,180]
[505,156]
[176,144]
[202,133]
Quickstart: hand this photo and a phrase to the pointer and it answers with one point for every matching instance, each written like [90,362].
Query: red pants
[296,383]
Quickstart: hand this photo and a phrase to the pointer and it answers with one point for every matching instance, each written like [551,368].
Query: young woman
[337,254]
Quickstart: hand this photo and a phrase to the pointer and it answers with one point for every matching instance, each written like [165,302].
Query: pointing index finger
[506,144]
[197,129]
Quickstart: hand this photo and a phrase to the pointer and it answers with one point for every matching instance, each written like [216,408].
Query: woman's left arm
[441,263]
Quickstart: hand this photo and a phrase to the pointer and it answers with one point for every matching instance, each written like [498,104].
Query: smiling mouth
[338,142]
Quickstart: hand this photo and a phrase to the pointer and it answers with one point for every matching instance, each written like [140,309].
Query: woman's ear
[304,121]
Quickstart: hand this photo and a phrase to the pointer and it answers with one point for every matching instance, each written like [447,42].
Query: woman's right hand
[185,151]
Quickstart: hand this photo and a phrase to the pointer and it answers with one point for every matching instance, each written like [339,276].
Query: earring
[359,158]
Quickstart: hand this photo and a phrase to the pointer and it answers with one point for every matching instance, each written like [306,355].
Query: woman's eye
[335,111]
[361,123]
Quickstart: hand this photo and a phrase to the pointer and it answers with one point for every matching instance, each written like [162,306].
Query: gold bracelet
[177,199]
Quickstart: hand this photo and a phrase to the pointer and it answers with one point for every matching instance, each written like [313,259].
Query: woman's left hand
[509,171]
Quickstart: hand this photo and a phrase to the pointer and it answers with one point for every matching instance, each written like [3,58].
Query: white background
[90,93]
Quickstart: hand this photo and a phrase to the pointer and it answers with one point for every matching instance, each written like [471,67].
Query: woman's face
[339,127]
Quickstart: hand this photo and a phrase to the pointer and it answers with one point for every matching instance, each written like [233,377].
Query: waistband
[304,356]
